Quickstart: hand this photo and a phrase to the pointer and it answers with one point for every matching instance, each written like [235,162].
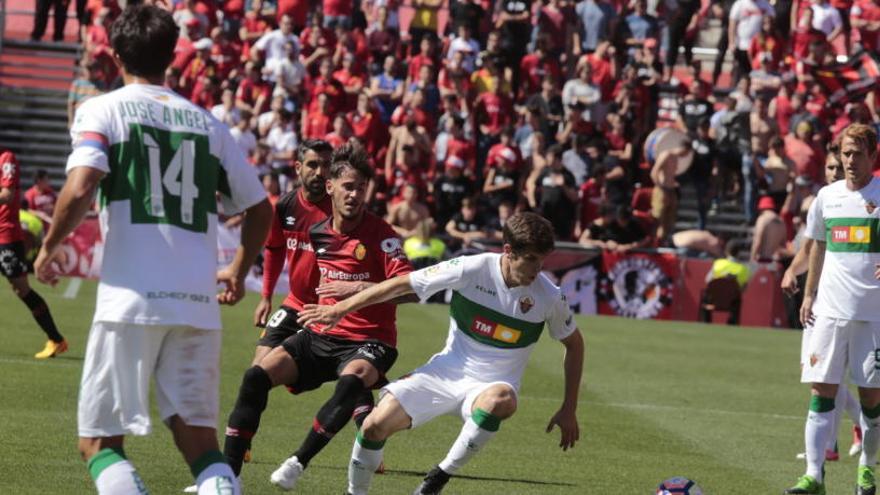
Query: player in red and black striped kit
[13,264]
[354,249]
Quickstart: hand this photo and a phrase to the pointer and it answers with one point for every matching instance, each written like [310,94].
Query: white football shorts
[434,389]
[120,360]
[836,344]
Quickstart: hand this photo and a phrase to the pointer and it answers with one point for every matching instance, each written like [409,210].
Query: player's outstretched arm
[387,290]
[254,229]
[566,416]
[74,201]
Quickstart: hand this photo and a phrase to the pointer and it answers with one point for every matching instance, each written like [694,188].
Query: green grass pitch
[720,405]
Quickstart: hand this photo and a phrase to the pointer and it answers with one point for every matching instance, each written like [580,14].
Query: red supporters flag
[850,80]
[638,285]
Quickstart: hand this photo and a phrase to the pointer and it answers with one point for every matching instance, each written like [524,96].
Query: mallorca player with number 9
[157,163]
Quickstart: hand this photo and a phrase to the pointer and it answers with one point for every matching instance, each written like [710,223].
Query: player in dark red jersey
[295,213]
[352,246]
[12,256]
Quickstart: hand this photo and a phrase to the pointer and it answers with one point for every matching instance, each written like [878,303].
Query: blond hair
[865,136]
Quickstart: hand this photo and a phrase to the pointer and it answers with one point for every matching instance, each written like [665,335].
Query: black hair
[350,156]
[40,174]
[144,38]
[319,146]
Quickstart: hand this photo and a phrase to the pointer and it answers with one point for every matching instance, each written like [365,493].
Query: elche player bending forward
[295,213]
[500,304]
[352,245]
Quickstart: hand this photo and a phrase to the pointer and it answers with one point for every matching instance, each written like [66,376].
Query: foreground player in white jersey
[500,304]
[843,281]
[158,163]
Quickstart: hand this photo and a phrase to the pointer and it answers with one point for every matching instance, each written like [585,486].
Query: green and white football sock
[366,455]
[820,420]
[477,430]
[870,436]
[114,475]
[213,475]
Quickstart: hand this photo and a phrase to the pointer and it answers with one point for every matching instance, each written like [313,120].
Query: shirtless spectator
[406,215]
[769,239]
[664,197]
[763,129]
[699,241]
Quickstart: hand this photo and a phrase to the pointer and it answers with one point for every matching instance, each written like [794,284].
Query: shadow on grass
[421,474]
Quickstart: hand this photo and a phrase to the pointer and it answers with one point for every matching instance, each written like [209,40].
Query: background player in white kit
[843,281]
[500,304]
[158,163]
[800,263]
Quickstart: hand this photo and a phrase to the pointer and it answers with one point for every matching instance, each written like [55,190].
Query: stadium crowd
[479,109]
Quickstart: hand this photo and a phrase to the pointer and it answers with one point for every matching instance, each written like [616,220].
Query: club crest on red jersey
[360,252]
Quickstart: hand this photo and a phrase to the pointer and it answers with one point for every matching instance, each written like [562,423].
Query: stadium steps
[34,80]
[25,63]
[33,124]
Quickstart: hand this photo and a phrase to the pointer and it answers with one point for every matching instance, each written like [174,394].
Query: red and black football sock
[332,417]
[244,420]
[40,312]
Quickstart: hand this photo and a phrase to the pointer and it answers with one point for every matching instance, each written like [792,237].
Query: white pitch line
[42,362]
[660,407]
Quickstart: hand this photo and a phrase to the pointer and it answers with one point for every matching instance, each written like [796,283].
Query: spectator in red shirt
[367,126]
[326,84]
[316,123]
[767,41]
[225,54]
[426,56]
[865,17]
[298,10]
[340,133]
[459,146]
[534,67]
[253,93]
[338,12]
[807,158]
[352,83]
[453,78]
[184,50]
[200,66]
[41,197]
[253,27]
[382,40]
[498,155]
[493,111]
